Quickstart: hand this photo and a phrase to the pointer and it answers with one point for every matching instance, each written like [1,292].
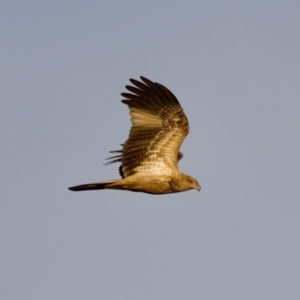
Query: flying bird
[149,158]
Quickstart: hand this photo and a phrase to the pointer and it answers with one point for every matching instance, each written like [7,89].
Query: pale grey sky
[235,68]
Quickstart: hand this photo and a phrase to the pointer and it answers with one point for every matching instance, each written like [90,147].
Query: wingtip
[144,79]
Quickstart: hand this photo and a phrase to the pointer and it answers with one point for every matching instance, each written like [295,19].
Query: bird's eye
[191,180]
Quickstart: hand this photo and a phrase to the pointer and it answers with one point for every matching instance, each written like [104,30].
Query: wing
[118,158]
[159,127]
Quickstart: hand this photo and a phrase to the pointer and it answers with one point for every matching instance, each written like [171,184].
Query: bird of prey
[149,158]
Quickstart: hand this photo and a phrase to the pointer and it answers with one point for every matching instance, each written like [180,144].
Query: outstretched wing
[159,127]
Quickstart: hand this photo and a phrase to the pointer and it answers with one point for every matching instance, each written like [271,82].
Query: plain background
[234,66]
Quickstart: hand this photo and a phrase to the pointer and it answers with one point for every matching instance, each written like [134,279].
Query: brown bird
[149,159]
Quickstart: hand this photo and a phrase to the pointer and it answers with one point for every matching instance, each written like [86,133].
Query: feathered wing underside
[159,127]
[118,158]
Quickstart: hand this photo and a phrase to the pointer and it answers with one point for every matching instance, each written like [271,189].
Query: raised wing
[159,127]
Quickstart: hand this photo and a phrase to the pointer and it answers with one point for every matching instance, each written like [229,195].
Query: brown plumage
[149,158]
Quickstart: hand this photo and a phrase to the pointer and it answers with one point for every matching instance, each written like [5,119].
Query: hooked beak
[197,187]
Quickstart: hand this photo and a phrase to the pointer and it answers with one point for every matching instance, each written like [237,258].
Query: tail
[92,186]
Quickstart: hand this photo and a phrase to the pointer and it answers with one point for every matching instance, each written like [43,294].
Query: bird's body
[149,158]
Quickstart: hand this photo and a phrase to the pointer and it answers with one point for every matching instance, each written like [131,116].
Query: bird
[149,157]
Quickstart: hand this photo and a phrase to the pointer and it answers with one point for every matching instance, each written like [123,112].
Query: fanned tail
[92,186]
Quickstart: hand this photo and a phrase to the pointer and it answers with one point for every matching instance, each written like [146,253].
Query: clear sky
[235,68]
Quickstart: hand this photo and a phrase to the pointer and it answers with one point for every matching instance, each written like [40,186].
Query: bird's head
[187,182]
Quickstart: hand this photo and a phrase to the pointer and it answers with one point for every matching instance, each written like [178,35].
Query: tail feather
[92,186]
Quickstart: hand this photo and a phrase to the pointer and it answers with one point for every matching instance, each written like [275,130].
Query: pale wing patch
[156,168]
[142,118]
